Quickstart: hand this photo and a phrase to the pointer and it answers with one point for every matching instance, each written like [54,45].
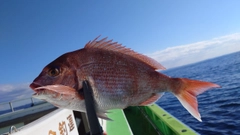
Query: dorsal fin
[114,46]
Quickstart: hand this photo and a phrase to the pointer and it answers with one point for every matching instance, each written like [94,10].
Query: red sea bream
[118,76]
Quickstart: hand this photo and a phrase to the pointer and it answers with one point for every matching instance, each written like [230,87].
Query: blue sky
[33,33]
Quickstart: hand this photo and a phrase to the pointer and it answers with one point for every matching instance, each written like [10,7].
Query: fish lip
[34,85]
[38,91]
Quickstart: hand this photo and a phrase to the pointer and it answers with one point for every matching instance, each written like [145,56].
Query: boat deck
[132,120]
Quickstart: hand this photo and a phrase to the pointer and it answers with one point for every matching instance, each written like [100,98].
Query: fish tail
[186,91]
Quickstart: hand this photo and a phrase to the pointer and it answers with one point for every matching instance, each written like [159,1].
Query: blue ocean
[219,108]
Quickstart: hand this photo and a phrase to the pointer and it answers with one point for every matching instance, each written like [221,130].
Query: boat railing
[14,105]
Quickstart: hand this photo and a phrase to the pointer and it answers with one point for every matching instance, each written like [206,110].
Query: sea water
[220,107]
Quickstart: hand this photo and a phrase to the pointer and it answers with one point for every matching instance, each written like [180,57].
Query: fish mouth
[38,91]
[34,85]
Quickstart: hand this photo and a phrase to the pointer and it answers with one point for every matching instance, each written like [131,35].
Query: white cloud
[195,52]
[6,88]
[10,92]
[13,87]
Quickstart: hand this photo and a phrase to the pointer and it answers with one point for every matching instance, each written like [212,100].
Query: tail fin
[188,91]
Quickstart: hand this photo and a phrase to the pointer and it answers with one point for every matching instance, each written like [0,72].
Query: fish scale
[111,85]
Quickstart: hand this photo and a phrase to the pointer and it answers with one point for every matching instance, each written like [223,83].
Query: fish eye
[54,72]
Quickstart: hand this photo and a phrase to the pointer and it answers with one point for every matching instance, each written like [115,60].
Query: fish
[119,77]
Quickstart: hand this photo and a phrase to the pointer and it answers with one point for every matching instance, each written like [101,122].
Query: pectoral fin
[103,116]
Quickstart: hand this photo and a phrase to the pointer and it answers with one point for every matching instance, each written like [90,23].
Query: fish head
[58,72]
[58,84]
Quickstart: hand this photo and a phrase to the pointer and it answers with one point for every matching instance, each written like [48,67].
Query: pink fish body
[118,76]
